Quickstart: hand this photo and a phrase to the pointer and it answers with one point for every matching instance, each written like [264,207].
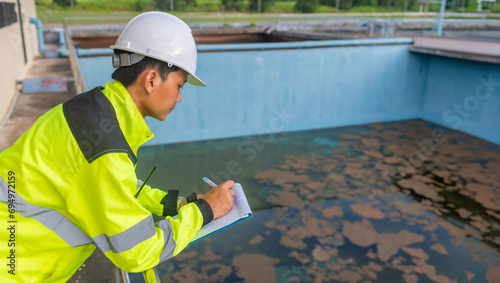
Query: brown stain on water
[380,190]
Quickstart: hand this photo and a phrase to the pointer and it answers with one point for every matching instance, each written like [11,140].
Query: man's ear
[151,80]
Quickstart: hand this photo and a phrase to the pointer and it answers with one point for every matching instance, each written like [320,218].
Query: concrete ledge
[480,51]
[97,268]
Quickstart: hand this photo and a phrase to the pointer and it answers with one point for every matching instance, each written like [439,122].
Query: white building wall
[13,66]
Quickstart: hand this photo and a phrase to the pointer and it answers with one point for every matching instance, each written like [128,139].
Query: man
[68,184]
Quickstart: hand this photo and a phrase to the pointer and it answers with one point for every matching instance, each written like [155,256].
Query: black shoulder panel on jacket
[92,120]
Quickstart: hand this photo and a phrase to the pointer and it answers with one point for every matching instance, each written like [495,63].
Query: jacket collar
[132,124]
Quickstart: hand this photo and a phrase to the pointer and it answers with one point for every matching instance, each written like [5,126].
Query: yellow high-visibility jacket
[67,186]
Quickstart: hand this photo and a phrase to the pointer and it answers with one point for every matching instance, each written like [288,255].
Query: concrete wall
[262,92]
[266,91]
[463,95]
[259,92]
[12,55]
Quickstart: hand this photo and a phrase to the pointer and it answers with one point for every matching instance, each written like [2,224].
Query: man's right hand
[220,198]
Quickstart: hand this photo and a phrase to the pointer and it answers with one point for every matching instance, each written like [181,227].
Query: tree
[346,4]
[179,5]
[266,5]
[65,3]
[306,6]
[331,3]
[141,5]
[234,5]
[189,5]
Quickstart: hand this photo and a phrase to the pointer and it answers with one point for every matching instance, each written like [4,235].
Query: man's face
[167,94]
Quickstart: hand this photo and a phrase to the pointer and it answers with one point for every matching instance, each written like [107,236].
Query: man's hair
[128,75]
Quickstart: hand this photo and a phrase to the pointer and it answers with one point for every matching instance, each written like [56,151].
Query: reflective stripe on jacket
[71,180]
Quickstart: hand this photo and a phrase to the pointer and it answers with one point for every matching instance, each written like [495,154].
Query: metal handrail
[303,44]
[80,84]
[125,277]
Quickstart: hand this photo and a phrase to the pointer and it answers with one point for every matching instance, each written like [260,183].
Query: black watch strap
[192,197]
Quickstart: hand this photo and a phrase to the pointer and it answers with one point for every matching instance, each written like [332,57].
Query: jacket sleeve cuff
[206,211]
[169,202]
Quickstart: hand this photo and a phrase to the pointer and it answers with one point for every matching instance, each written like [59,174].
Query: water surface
[406,201]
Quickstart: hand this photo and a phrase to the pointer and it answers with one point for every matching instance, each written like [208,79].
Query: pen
[143,183]
[208,181]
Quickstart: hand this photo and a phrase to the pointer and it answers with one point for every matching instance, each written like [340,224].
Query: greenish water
[396,202]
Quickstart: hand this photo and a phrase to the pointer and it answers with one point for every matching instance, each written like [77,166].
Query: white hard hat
[160,36]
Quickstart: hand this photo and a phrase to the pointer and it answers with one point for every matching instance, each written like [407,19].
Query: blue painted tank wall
[463,95]
[266,91]
[96,70]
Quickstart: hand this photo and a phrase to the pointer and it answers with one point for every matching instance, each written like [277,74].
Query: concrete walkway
[28,107]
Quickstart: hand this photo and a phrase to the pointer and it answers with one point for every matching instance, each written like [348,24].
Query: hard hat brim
[194,80]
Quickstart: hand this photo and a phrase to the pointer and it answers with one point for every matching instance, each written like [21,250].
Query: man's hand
[220,199]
